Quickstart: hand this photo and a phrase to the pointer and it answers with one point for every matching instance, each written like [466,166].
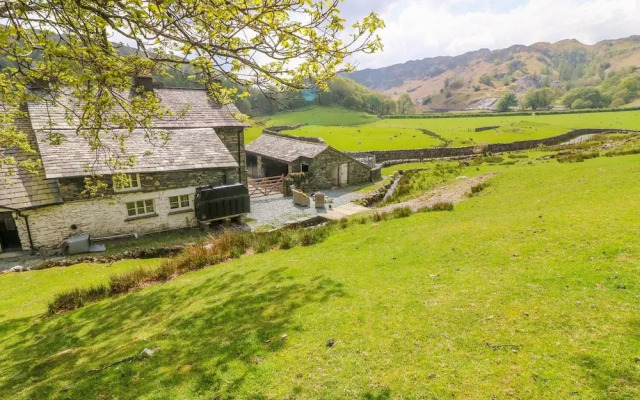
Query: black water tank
[218,202]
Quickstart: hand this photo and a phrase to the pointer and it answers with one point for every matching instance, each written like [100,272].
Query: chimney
[42,83]
[144,82]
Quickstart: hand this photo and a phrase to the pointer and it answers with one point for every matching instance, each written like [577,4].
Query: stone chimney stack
[143,81]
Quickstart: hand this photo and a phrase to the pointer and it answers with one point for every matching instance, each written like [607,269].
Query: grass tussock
[441,206]
[476,189]
[214,250]
[576,157]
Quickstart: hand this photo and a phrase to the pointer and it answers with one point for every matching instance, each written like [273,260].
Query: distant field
[394,134]
[320,116]
[368,137]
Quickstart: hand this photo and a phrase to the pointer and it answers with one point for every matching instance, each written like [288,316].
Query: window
[128,183]
[304,167]
[178,202]
[142,207]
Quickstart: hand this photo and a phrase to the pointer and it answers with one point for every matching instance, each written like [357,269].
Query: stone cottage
[206,147]
[274,154]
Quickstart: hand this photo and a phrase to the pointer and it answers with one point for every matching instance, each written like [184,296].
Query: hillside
[476,79]
[526,290]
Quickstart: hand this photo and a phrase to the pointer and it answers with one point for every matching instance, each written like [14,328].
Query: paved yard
[275,211]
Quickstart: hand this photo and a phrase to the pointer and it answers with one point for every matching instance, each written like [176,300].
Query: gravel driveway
[275,211]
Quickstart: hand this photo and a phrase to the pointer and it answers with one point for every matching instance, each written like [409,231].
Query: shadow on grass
[208,338]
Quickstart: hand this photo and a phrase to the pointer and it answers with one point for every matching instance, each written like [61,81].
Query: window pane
[131,209]
[184,201]
[134,181]
[173,202]
[149,205]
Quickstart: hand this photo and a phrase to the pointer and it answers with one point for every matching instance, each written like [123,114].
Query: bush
[401,212]
[576,157]
[441,206]
[479,188]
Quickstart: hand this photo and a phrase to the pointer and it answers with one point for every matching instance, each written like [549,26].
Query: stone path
[343,211]
[453,192]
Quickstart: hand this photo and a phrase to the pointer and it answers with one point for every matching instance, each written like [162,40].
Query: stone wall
[71,188]
[384,156]
[322,165]
[233,139]
[106,216]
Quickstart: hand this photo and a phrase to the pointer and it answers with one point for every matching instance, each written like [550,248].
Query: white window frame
[141,208]
[134,184]
[180,198]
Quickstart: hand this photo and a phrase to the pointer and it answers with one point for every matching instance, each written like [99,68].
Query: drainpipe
[26,220]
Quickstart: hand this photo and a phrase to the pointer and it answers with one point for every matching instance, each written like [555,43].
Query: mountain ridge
[567,63]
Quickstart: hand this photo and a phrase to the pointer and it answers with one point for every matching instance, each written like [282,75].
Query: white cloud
[426,28]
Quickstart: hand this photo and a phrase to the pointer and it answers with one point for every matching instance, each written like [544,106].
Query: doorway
[9,238]
[340,175]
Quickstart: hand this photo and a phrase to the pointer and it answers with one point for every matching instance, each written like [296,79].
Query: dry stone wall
[386,156]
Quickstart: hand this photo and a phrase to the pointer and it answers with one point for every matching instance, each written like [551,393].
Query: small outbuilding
[274,154]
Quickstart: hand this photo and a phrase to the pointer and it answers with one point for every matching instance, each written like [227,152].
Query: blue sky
[426,28]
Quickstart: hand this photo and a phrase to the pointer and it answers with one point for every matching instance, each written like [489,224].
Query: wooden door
[344,174]
[335,175]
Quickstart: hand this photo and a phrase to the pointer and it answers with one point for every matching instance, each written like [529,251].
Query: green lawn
[394,134]
[27,294]
[529,290]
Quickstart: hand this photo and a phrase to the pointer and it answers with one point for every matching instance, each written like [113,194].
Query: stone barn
[206,147]
[274,154]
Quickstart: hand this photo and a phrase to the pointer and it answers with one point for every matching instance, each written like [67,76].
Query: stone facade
[106,216]
[71,188]
[233,140]
[323,165]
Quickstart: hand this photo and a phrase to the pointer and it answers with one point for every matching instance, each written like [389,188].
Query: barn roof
[284,148]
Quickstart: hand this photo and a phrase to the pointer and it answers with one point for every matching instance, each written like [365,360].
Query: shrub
[440,206]
[126,281]
[516,156]
[402,212]
[576,157]
[379,216]
[311,236]
[479,188]
[622,152]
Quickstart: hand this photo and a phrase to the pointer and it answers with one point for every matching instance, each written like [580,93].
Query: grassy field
[27,294]
[324,116]
[530,289]
[394,134]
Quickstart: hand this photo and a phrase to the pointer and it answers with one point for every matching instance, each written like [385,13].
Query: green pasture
[395,134]
[529,289]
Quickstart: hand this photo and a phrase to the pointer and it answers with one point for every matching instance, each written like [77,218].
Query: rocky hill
[476,80]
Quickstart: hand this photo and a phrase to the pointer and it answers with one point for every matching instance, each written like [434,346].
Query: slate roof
[284,148]
[194,145]
[187,149]
[20,189]
[201,111]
